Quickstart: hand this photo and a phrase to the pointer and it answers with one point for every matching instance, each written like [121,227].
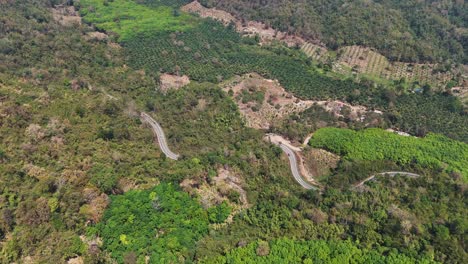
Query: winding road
[157,129]
[294,168]
[290,151]
[388,173]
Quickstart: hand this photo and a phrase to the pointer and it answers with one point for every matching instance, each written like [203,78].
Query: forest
[83,181]
[413,31]
[290,251]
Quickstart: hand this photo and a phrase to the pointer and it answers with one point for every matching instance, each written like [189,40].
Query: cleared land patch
[315,52]
[169,81]
[265,103]
[261,101]
[265,33]
[367,61]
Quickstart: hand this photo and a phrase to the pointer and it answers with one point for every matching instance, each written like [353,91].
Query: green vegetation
[433,151]
[392,214]
[219,214]
[127,18]
[212,52]
[401,30]
[162,223]
[171,3]
[75,159]
[291,251]
[208,51]
[420,114]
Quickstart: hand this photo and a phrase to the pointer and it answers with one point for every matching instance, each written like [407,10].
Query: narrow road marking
[388,173]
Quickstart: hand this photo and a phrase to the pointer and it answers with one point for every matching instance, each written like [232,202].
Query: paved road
[388,173]
[294,168]
[157,129]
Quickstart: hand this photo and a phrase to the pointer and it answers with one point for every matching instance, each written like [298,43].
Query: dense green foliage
[157,3]
[162,223]
[318,251]
[127,18]
[404,30]
[433,151]
[422,217]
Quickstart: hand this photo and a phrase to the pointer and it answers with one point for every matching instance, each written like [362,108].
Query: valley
[172,131]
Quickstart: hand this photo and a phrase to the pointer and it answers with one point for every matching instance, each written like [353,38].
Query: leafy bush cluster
[127,18]
[162,223]
[157,3]
[316,251]
[433,151]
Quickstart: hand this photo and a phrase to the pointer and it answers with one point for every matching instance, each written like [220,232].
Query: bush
[219,213]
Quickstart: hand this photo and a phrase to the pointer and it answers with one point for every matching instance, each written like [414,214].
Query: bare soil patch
[342,109]
[66,15]
[97,36]
[277,103]
[169,81]
[247,28]
[220,15]
[261,113]
[226,186]
[278,140]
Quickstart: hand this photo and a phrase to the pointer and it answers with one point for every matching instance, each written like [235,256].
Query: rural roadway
[158,131]
[294,167]
[288,150]
[388,173]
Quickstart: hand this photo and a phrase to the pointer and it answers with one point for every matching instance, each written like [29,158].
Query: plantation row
[211,52]
[418,72]
[314,51]
[419,114]
[364,60]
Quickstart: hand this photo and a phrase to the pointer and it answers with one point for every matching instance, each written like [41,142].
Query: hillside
[414,31]
[132,131]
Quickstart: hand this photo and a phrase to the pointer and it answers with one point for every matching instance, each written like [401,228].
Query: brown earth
[169,81]
[277,102]
[66,15]
[97,36]
[248,28]
[217,190]
[220,15]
